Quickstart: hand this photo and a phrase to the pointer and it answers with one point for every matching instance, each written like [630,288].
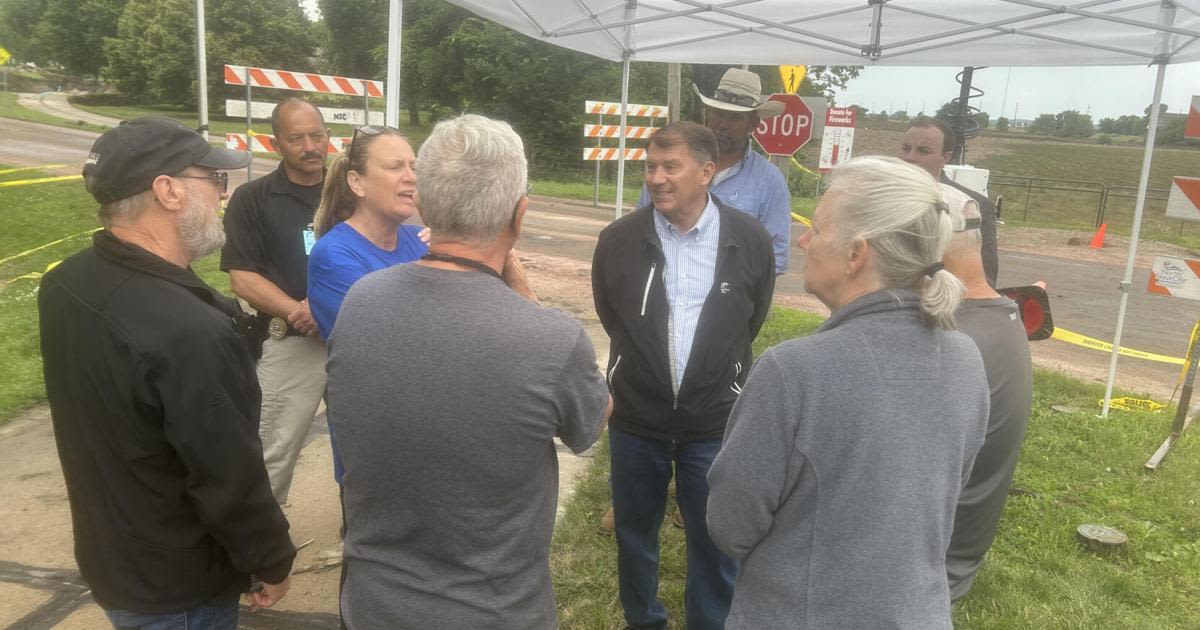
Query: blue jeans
[641,470]
[218,614]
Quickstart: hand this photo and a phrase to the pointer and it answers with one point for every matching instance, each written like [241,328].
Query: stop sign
[786,133]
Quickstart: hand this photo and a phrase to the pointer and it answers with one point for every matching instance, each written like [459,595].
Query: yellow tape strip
[41,180]
[30,168]
[1128,403]
[803,219]
[50,244]
[33,275]
[803,167]
[1077,339]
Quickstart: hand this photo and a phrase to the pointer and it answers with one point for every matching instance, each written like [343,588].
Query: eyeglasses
[220,177]
[369,130]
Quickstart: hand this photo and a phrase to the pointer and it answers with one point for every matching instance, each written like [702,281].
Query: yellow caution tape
[33,275]
[803,219]
[50,244]
[803,167]
[30,168]
[1077,339]
[40,180]
[1128,403]
[1188,357]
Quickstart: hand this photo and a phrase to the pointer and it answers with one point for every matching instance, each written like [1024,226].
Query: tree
[152,58]
[1072,124]
[900,115]
[18,21]
[1108,125]
[1044,124]
[1002,124]
[357,27]
[71,33]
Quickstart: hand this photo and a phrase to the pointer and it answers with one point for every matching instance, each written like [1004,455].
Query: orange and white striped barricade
[601,131]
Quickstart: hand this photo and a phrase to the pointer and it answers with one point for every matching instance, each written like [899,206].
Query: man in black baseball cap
[153,393]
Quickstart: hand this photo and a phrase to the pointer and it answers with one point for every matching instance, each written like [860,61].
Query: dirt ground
[39,587]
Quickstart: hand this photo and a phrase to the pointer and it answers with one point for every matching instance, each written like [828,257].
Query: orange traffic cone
[1098,239]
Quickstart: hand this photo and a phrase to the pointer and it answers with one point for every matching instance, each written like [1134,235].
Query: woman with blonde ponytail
[369,193]
[843,458]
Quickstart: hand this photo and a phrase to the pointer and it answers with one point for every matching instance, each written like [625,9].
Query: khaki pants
[291,374]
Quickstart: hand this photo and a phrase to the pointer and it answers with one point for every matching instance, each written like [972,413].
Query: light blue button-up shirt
[757,188]
[691,266]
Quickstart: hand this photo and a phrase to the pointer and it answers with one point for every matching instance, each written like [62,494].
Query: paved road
[56,104]
[1083,294]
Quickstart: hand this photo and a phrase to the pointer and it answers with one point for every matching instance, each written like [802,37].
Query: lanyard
[465,262]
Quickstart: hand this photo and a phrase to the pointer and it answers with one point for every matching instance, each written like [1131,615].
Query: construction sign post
[837,143]
[1177,277]
[301,81]
[1184,200]
[601,131]
[1191,128]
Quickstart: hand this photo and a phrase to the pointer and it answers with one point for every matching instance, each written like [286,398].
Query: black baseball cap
[126,159]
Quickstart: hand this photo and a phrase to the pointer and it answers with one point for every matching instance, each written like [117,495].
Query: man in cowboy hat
[746,180]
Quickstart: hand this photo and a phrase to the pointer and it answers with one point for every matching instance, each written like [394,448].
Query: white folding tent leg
[391,106]
[1127,281]
[630,14]
[201,70]
[621,139]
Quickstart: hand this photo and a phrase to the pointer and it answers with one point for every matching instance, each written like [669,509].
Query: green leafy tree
[1108,125]
[152,58]
[357,27]
[1044,124]
[71,33]
[1002,124]
[18,22]
[1072,124]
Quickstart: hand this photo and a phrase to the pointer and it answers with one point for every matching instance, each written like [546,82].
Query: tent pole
[1127,281]
[621,138]
[630,13]
[391,106]
[201,71]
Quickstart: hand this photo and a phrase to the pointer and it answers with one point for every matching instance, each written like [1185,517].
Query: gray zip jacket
[843,459]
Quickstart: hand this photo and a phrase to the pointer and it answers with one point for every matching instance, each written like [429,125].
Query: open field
[1075,469]
[37,215]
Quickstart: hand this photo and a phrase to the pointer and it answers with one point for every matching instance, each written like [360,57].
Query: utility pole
[674,88]
[202,73]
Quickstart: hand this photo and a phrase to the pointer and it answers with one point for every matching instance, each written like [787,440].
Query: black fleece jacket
[631,301]
[155,406]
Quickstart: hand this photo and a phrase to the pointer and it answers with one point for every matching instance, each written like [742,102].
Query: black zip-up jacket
[631,300]
[155,408]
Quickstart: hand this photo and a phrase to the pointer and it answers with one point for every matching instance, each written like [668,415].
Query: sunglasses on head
[369,130]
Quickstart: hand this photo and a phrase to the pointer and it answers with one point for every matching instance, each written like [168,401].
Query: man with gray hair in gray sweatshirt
[993,322]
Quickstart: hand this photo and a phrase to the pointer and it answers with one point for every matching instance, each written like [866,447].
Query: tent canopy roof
[842,32]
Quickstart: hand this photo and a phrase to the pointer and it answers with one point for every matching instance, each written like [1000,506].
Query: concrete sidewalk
[56,104]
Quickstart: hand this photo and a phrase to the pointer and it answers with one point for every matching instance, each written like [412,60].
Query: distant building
[1019,123]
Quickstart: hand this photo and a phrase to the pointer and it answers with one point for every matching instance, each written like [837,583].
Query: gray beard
[200,230]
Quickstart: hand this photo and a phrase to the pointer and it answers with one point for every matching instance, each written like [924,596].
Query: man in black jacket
[682,287]
[153,395]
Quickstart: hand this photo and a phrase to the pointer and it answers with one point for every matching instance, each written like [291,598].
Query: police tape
[33,275]
[803,219]
[803,167]
[30,168]
[1128,403]
[41,247]
[1077,339]
[40,180]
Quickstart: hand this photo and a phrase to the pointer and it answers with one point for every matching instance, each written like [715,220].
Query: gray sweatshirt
[843,459]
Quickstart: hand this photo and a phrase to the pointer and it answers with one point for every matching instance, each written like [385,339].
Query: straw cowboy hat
[740,91]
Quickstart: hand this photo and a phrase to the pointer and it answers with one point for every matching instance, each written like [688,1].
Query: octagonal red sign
[786,133]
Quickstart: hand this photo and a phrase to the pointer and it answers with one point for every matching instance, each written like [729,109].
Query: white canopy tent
[860,32]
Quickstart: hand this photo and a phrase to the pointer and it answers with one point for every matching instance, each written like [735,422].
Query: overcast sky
[1108,91]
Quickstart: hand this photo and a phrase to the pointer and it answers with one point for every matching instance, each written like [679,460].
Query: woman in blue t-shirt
[359,226]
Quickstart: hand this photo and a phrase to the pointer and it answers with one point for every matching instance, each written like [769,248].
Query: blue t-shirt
[337,260]
[341,257]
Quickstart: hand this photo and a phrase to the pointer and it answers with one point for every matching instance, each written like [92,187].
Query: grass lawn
[10,109]
[1078,469]
[1110,165]
[40,214]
